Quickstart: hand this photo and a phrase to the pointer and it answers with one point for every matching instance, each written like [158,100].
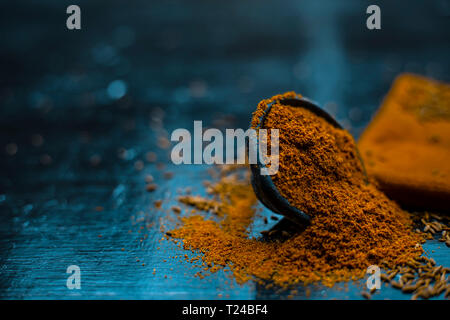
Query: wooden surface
[196,60]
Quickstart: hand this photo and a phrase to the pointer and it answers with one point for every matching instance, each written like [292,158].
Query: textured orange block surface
[406,147]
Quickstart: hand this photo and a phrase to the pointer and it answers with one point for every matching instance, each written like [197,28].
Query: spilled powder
[353,225]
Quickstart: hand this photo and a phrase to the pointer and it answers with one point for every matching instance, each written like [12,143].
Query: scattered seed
[151,187]
[396,284]
[409,288]
[176,209]
[168,175]
[158,204]
[366,295]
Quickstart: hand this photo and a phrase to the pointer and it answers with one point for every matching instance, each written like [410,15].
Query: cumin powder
[353,225]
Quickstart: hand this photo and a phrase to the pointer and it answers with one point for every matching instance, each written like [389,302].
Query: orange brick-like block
[406,147]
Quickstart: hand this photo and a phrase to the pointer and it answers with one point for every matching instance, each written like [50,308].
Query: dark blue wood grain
[195,60]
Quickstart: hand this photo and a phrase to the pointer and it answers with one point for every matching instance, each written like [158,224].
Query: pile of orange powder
[353,225]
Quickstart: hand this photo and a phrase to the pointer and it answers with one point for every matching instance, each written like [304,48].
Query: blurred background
[86,115]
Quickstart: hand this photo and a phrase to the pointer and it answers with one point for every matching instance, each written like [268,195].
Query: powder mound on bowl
[317,161]
[353,224]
